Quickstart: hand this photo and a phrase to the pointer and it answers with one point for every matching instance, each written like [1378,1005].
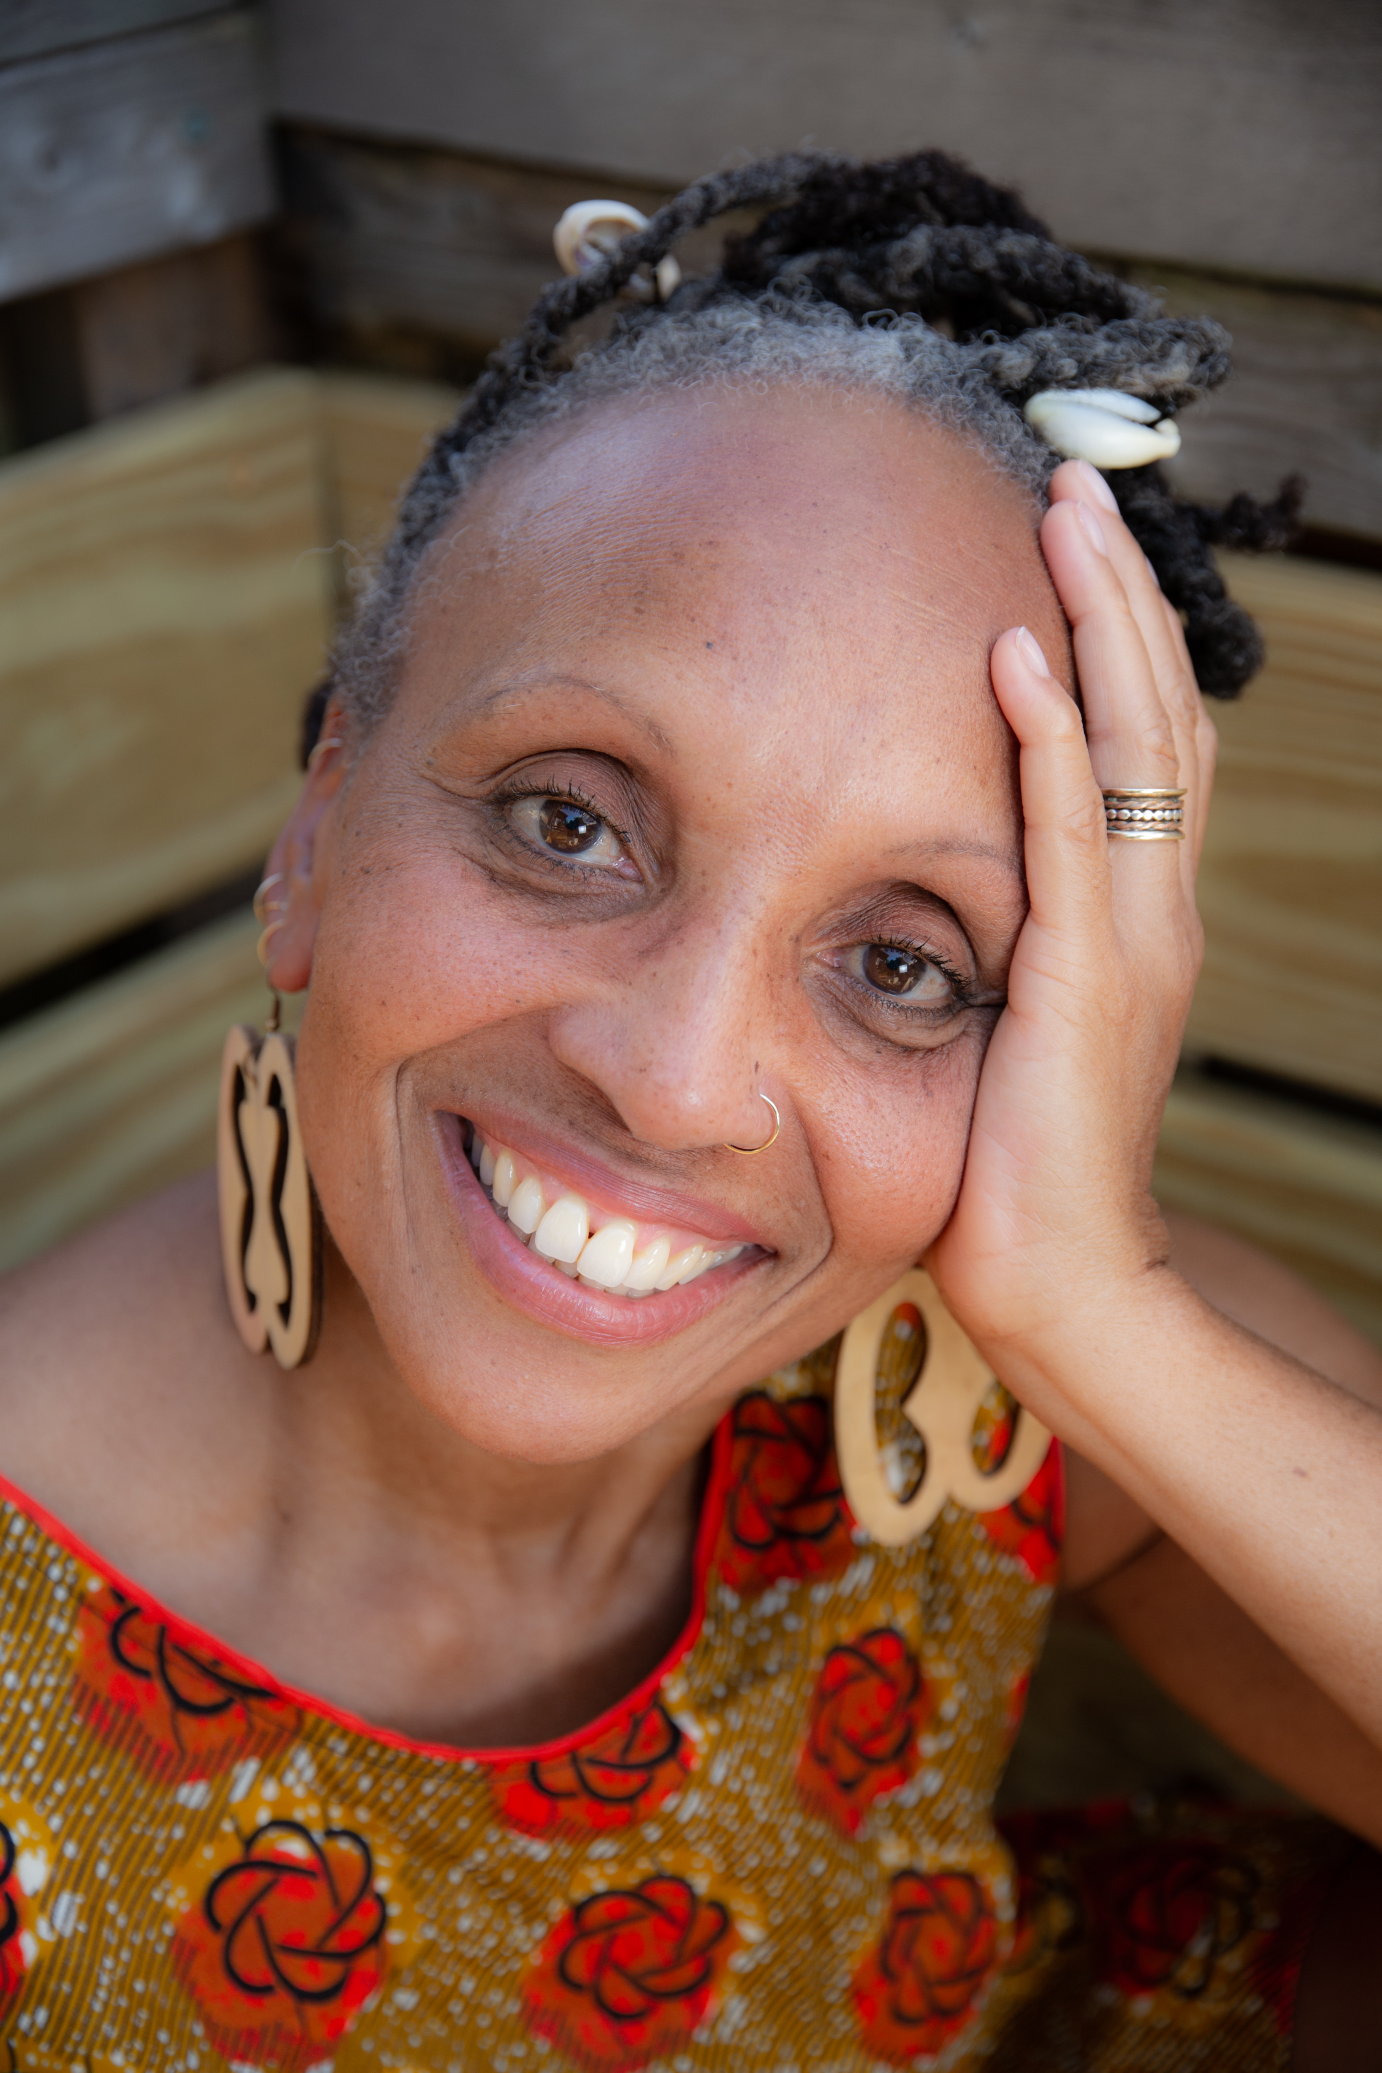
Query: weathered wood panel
[1291,887]
[113,1094]
[165,607]
[1302,1186]
[1224,133]
[389,236]
[167,325]
[122,150]
[32,28]
[1306,395]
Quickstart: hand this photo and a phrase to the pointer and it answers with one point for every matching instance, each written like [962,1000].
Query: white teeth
[526,1206]
[502,1186]
[683,1266]
[609,1255]
[562,1233]
[648,1265]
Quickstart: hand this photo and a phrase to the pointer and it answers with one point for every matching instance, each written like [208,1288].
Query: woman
[514,1679]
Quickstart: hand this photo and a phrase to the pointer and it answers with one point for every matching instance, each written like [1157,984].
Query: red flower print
[1164,1915]
[629,1975]
[866,1713]
[609,1782]
[285,1945]
[1032,1527]
[170,1704]
[921,1983]
[785,1510]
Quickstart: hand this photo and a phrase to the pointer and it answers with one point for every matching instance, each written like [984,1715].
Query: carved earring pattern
[942,1405]
[271,1244]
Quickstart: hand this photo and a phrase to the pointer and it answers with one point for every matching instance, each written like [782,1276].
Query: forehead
[822,557]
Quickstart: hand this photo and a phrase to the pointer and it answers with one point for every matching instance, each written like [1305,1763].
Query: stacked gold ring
[1145,813]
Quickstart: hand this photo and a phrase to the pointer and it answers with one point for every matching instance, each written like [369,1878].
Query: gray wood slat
[33,28]
[1223,133]
[123,150]
[397,235]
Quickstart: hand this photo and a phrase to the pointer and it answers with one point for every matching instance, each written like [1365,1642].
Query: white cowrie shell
[589,231]
[1102,426]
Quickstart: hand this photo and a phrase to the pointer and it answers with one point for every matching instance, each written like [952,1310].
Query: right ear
[288,959]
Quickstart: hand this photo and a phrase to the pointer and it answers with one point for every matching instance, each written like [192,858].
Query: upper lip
[602,1184]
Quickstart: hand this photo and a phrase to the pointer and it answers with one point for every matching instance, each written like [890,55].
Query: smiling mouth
[615,1254]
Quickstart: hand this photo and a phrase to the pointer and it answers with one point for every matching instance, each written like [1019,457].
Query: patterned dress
[776,1854]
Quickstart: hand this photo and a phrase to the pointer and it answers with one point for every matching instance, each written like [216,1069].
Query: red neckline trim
[707,1531]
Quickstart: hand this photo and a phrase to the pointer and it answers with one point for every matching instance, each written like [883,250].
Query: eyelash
[562,789]
[961,995]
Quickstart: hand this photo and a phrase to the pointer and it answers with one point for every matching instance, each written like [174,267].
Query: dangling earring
[942,1404]
[270,1224]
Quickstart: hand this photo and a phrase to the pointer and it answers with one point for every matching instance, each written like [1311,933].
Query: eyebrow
[1009,859]
[564,681]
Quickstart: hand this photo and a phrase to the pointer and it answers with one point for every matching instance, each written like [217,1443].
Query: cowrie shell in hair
[1103,426]
[590,231]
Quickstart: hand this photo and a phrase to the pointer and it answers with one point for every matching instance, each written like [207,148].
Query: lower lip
[548,1295]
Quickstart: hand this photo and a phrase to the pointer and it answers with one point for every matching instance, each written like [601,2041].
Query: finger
[1206,748]
[1065,844]
[1131,738]
[1164,638]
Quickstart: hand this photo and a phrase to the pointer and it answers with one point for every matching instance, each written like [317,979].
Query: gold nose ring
[751,1151]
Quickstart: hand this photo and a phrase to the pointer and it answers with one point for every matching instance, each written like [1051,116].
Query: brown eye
[892,970]
[567,827]
[903,974]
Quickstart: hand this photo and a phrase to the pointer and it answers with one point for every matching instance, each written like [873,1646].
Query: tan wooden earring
[942,1404]
[270,1223]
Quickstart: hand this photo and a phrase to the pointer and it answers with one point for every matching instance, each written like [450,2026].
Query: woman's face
[694,788]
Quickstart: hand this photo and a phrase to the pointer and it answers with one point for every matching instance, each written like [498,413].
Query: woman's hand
[1055,1215]
[1056,1259]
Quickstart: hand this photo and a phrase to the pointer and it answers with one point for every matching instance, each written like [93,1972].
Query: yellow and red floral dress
[776,1854]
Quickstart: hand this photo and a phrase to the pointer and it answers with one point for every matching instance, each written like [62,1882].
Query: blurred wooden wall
[368,194]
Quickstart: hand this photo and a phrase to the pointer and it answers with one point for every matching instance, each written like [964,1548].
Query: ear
[288,959]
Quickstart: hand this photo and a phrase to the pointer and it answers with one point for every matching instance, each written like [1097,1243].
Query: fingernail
[1029,647]
[1094,532]
[1096,485]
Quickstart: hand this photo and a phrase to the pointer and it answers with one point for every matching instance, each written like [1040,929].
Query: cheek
[891,1154]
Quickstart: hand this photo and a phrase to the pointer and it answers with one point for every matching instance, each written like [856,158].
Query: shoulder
[1267,1298]
[118,1360]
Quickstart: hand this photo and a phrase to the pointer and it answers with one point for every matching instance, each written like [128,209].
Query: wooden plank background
[388,237]
[113,1093]
[121,150]
[1238,134]
[31,28]
[166,605]
[1291,882]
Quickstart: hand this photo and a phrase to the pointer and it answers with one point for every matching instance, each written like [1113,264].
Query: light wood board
[1291,885]
[1307,1188]
[1227,134]
[121,150]
[377,431]
[113,1093]
[165,608]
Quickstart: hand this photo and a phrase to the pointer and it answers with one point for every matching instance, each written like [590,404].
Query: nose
[676,1045]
